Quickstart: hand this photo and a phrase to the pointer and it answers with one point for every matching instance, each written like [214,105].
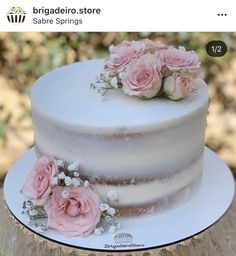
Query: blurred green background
[26,56]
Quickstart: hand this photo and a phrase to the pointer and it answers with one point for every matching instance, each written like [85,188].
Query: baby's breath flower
[54,181]
[106,75]
[112,195]
[98,231]
[111,211]
[114,82]
[73,167]
[33,212]
[76,182]
[86,184]
[76,174]
[65,193]
[28,204]
[112,229]
[68,181]
[122,75]
[98,77]
[104,206]
[108,218]
[62,176]
[59,163]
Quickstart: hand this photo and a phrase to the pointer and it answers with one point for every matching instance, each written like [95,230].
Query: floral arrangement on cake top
[55,192]
[147,69]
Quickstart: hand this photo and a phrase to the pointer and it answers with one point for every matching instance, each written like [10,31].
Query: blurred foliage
[26,56]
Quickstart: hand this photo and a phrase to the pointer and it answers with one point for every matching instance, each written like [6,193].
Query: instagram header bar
[122,15]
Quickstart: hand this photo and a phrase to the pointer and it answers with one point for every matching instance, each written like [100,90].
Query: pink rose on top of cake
[151,46]
[121,54]
[37,186]
[76,213]
[179,59]
[143,77]
[178,86]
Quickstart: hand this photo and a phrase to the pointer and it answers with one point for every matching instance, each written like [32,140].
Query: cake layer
[146,192]
[152,153]
[163,203]
[64,95]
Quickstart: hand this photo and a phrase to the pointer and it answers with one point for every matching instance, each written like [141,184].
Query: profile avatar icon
[16,14]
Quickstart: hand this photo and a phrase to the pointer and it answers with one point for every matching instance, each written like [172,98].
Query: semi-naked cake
[147,153]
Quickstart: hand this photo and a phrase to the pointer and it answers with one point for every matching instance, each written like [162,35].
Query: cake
[142,151]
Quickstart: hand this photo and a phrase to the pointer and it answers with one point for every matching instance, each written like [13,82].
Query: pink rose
[178,86]
[37,186]
[179,59]
[150,46]
[76,215]
[122,54]
[143,77]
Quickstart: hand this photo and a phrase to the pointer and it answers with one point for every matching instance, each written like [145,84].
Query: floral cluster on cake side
[55,191]
[147,69]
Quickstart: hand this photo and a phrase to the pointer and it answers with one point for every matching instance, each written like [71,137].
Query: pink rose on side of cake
[179,59]
[76,214]
[178,86]
[122,54]
[143,77]
[37,186]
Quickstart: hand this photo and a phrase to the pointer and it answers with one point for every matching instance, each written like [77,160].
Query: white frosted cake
[148,153]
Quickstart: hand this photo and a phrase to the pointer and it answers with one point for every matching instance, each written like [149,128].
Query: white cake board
[195,216]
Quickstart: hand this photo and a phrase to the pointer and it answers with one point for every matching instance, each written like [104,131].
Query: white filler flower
[62,176]
[112,229]
[73,167]
[112,195]
[68,181]
[76,182]
[76,174]
[59,163]
[104,206]
[114,82]
[65,193]
[111,211]
[54,181]
[86,184]
[98,231]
